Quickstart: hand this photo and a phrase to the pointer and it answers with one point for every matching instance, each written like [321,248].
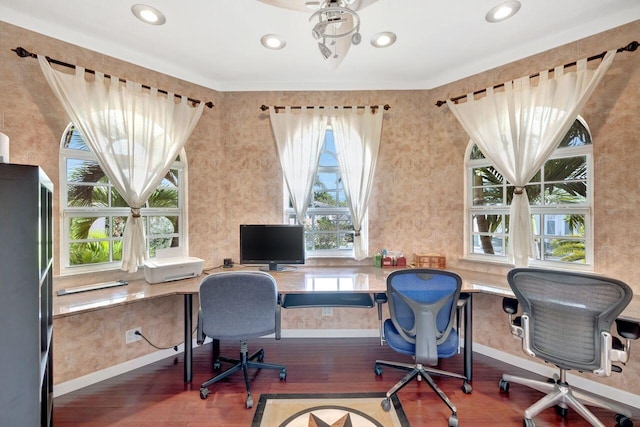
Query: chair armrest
[380,297]
[620,350]
[510,305]
[627,329]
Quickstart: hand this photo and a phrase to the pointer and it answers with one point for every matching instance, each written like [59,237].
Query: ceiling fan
[336,24]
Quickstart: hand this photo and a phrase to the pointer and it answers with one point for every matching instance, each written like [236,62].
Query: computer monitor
[272,244]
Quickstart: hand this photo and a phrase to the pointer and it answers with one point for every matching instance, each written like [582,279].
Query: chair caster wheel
[526,422]
[453,421]
[283,375]
[204,393]
[378,370]
[623,421]
[386,405]
[504,385]
[563,412]
[466,388]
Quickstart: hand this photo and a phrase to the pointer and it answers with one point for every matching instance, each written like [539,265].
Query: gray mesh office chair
[239,306]
[566,320]
[422,305]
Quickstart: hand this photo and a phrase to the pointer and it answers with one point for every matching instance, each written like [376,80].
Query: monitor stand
[273,266]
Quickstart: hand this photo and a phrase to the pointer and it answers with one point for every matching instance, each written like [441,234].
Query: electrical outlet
[327,311]
[130,336]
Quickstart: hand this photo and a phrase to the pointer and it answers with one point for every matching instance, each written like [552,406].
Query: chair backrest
[238,305]
[422,307]
[568,312]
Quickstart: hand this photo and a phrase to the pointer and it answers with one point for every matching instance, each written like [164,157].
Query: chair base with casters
[420,372]
[561,395]
[245,362]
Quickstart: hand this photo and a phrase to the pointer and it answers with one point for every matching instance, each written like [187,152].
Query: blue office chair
[239,306]
[566,320]
[422,305]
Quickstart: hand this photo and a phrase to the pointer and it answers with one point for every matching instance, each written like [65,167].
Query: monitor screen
[272,244]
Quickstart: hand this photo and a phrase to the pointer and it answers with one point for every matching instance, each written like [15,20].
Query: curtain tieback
[518,191]
[135,212]
[357,234]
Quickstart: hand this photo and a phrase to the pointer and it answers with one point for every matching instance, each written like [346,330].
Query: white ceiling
[216,43]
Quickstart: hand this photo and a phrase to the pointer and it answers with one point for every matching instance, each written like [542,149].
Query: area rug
[328,410]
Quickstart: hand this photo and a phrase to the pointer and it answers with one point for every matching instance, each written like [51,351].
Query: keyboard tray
[328,299]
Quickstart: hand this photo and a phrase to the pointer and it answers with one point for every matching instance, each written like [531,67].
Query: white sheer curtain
[299,136]
[518,129]
[357,134]
[135,135]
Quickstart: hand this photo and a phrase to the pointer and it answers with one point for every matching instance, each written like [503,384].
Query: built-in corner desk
[305,286]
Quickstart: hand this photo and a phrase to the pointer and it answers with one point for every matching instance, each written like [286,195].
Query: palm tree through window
[559,196]
[94,214]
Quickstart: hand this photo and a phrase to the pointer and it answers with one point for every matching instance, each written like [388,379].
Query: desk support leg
[188,345]
[468,339]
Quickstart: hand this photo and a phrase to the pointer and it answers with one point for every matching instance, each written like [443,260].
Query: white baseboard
[112,371]
[594,387]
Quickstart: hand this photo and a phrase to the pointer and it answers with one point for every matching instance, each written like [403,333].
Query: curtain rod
[300,107]
[631,47]
[23,53]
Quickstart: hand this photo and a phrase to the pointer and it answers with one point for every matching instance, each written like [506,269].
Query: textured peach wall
[417,200]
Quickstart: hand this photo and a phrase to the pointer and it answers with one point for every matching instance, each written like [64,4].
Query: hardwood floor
[156,394]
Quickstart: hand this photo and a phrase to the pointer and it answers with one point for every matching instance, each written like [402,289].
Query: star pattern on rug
[344,421]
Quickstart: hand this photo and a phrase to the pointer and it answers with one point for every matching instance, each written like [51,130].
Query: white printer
[171,264]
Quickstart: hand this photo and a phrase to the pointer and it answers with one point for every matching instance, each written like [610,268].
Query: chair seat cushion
[447,349]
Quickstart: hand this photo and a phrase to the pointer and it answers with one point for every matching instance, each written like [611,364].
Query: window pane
[565,250]
[488,223]
[564,225]
[488,196]
[83,171]
[486,244]
[88,253]
[319,241]
[163,225]
[74,140]
[88,228]
[166,196]
[578,135]
[94,196]
[117,201]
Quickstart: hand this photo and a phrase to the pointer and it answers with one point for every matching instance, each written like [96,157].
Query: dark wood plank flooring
[156,394]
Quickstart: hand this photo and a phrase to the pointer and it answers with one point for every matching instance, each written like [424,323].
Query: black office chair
[239,306]
[422,305]
[566,320]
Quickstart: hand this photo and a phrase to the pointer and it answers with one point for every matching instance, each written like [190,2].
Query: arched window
[94,214]
[560,195]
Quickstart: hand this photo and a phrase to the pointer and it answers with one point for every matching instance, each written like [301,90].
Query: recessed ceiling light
[313,5]
[273,41]
[148,14]
[502,11]
[384,39]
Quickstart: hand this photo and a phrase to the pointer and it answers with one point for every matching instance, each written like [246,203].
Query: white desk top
[302,280]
